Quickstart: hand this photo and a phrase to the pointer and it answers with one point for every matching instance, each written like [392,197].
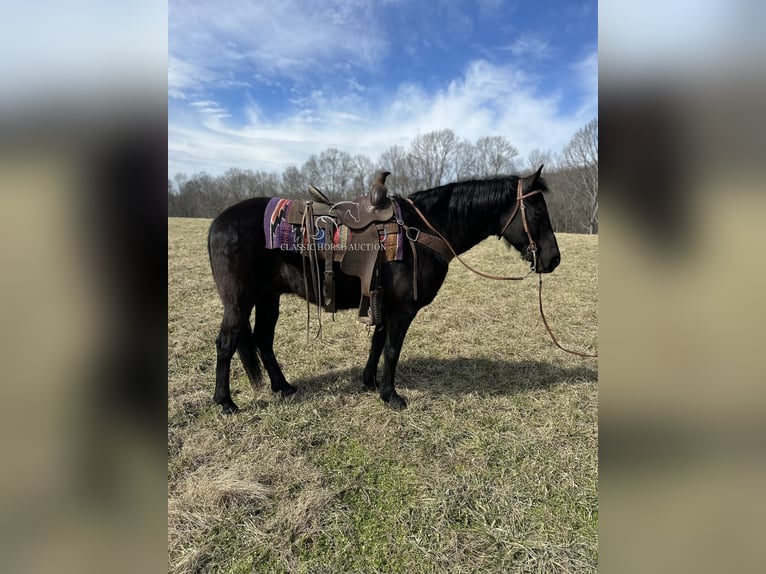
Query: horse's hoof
[287,390]
[283,387]
[370,384]
[229,408]
[397,403]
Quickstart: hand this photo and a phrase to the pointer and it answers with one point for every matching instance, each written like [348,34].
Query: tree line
[432,159]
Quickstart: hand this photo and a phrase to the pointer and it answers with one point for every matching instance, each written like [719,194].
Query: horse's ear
[530,180]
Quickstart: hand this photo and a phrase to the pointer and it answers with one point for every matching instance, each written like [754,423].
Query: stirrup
[364,311]
[371,308]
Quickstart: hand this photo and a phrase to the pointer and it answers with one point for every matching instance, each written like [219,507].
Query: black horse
[249,276]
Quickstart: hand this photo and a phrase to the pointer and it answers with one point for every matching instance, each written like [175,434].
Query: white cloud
[586,72]
[319,52]
[486,100]
[278,39]
[529,45]
[210,108]
[184,75]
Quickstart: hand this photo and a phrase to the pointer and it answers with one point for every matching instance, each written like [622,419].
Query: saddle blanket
[281,234]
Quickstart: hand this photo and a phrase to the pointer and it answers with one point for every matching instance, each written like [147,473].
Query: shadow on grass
[451,376]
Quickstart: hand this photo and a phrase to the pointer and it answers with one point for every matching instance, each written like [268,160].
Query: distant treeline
[432,159]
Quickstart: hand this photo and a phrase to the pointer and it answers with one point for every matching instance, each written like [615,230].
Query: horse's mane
[464,198]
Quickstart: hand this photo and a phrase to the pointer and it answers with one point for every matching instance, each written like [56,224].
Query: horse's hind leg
[226,345]
[266,317]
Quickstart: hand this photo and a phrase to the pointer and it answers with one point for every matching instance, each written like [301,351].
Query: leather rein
[531,250]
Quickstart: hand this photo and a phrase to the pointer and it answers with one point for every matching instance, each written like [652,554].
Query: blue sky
[263,85]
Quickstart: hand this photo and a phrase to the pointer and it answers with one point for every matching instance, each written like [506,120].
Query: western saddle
[367,217]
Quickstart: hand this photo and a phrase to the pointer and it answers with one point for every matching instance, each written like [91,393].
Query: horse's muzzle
[549,265]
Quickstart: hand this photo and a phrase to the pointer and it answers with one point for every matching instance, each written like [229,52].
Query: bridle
[531,250]
[520,207]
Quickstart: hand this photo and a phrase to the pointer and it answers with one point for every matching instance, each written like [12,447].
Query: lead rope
[547,327]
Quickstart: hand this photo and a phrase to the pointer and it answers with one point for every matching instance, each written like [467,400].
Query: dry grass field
[492,468]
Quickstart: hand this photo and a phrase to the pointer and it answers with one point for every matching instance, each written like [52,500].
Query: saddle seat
[361,257]
[356,214]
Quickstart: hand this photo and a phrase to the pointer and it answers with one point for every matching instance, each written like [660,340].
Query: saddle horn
[379,192]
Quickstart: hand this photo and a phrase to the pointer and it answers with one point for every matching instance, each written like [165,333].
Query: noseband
[520,197]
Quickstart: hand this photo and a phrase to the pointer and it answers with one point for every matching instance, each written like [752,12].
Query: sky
[264,85]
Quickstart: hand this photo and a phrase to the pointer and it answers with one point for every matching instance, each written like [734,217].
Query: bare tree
[198,196]
[178,202]
[293,183]
[172,199]
[395,159]
[235,185]
[465,163]
[563,205]
[266,184]
[432,154]
[362,175]
[538,157]
[494,156]
[178,181]
[581,156]
[331,171]
[432,159]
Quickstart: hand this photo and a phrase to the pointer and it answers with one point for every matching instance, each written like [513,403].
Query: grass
[492,468]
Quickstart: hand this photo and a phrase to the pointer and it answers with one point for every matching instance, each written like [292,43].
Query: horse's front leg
[370,374]
[396,329]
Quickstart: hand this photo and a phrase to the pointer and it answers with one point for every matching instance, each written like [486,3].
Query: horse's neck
[463,230]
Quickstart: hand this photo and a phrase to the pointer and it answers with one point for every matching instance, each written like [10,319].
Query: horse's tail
[248,355]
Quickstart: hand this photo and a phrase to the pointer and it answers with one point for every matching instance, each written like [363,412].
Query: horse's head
[527,227]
